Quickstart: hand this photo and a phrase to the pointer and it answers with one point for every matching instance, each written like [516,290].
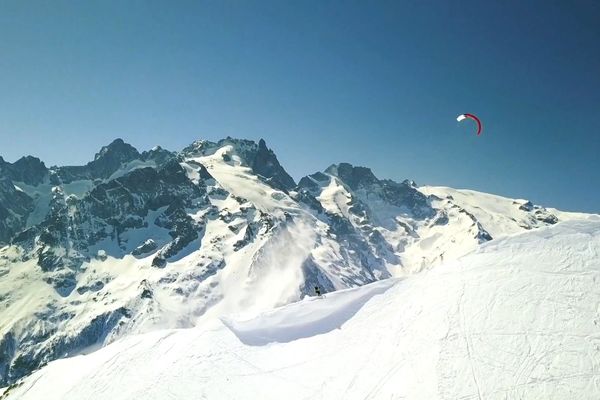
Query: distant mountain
[134,241]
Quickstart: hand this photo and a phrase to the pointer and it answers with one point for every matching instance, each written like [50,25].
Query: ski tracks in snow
[467,337]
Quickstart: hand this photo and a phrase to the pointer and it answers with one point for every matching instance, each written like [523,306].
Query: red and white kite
[462,117]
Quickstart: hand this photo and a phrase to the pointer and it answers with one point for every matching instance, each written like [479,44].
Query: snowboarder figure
[318,291]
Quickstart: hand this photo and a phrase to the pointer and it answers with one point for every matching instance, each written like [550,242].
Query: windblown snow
[517,318]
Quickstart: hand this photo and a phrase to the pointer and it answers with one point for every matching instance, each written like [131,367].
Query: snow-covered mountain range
[515,319]
[133,242]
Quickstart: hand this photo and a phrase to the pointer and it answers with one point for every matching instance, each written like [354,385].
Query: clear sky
[373,83]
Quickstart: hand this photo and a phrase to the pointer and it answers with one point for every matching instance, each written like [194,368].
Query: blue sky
[372,83]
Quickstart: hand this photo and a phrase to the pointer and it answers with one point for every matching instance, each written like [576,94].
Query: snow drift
[517,318]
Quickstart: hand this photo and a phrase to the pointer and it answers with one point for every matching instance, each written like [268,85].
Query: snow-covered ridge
[500,215]
[516,318]
[132,242]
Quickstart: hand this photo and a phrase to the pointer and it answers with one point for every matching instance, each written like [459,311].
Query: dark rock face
[95,332]
[29,170]
[354,246]
[306,197]
[182,228]
[354,177]
[109,210]
[105,163]
[94,287]
[64,281]
[159,155]
[313,182]
[382,248]
[441,218]
[54,229]
[404,195]
[545,217]
[249,235]
[110,158]
[307,183]
[265,163]
[15,207]
[8,348]
[527,206]
[141,190]
[145,248]
[483,235]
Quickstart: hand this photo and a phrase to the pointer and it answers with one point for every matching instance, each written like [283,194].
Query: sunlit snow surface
[499,215]
[516,319]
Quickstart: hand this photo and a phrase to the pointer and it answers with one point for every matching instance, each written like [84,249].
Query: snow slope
[499,215]
[517,318]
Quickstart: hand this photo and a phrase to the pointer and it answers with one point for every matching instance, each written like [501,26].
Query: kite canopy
[462,117]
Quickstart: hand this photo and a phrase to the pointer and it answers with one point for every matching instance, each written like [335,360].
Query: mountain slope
[517,318]
[133,242]
[502,216]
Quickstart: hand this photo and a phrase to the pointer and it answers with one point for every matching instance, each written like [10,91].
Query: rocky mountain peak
[353,176]
[265,163]
[29,170]
[108,160]
[256,156]
[158,155]
[117,149]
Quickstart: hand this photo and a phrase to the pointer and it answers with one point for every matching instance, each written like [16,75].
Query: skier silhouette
[318,291]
